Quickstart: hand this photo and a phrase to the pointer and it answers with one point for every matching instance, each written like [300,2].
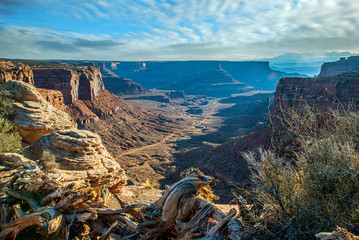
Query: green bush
[10,141]
[6,108]
[312,184]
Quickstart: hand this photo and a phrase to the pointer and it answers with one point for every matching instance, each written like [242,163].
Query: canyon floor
[162,162]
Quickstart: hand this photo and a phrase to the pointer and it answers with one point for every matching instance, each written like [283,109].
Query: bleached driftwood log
[34,199]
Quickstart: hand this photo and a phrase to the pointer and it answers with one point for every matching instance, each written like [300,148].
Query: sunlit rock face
[20,72]
[33,115]
[82,83]
[78,156]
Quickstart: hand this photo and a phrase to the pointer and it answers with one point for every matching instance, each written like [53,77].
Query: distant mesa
[211,78]
[122,86]
[335,87]
[340,66]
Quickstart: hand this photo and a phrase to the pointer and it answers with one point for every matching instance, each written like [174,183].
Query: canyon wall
[211,78]
[341,66]
[82,83]
[333,91]
[20,72]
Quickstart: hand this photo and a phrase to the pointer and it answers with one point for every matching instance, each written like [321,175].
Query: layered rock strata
[324,92]
[80,157]
[341,66]
[8,71]
[54,97]
[83,83]
[33,115]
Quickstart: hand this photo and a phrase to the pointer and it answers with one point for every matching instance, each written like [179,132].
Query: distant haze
[140,30]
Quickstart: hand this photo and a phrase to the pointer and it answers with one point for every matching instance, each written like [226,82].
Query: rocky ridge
[123,86]
[78,156]
[340,66]
[33,115]
[20,72]
[325,92]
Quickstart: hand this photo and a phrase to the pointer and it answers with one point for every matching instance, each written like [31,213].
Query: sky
[139,30]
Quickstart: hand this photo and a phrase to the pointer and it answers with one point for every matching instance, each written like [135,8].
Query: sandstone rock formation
[78,156]
[82,83]
[341,66]
[211,78]
[123,86]
[33,115]
[54,97]
[335,90]
[21,72]
[120,125]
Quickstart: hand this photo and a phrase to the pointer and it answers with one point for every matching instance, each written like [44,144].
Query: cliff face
[211,78]
[341,66]
[123,86]
[120,125]
[21,72]
[80,84]
[336,90]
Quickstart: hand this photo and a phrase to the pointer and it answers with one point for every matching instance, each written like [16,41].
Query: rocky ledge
[78,156]
[21,72]
[33,115]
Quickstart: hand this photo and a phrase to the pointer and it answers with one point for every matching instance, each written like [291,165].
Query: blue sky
[176,29]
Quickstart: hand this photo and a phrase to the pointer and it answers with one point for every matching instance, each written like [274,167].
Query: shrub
[10,141]
[312,183]
[6,108]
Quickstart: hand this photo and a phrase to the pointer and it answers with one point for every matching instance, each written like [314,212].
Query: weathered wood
[184,211]
[41,219]
[108,232]
[33,204]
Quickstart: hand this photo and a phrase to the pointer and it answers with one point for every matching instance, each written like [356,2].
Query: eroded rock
[33,115]
[8,71]
[78,156]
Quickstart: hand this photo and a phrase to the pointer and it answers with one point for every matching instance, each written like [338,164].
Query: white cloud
[198,29]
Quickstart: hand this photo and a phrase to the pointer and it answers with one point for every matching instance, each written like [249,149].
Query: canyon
[154,134]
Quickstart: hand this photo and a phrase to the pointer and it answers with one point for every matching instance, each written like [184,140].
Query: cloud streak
[190,29]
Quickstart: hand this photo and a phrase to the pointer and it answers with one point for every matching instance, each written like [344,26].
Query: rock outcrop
[333,90]
[123,86]
[20,72]
[341,66]
[55,97]
[81,83]
[80,157]
[120,125]
[33,115]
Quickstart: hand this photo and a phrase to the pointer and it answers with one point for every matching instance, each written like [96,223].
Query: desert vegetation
[308,181]
[10,140]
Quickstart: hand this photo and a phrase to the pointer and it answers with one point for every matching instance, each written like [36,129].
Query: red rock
[54,97]
[83,83]
[21,72]
[335,91]
[341,66]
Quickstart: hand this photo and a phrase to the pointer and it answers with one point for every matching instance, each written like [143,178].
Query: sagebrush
[312,183]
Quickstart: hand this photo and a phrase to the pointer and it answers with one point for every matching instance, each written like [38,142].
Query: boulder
[80,157]
[33,115]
